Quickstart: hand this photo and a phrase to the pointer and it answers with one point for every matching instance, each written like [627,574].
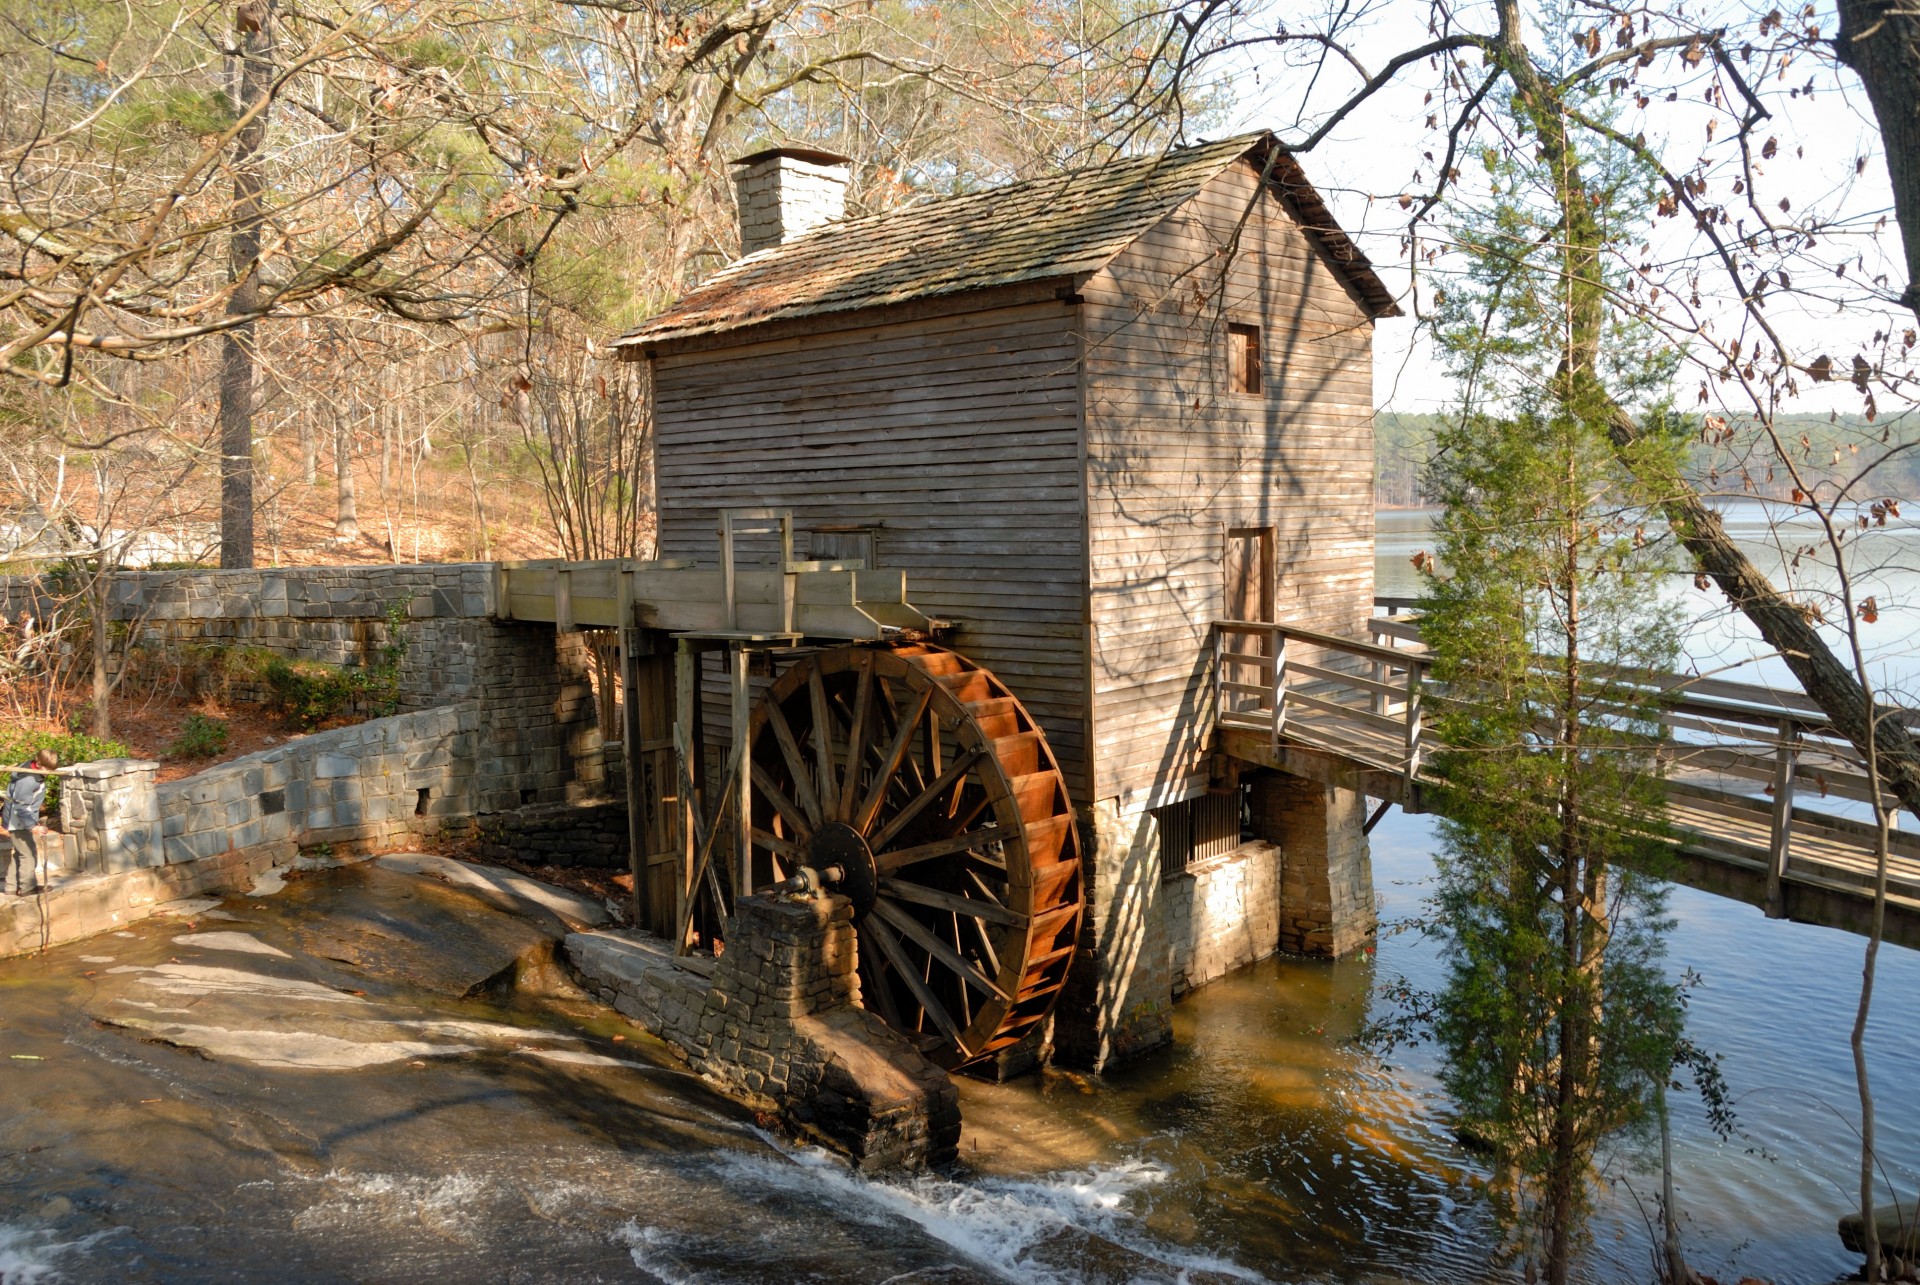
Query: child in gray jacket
[26,795]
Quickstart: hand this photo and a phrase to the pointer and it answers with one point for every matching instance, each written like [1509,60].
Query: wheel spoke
[778,797]
[901,819]
[890,764]
[888,862]
[916,930]
[925,896]
[822,732]
[796,765]
[775,844]
[877,985]
[897,956]
[856,740]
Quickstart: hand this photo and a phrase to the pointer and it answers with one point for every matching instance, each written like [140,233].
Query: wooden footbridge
[1748,767]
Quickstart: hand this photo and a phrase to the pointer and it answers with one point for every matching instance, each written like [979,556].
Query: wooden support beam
[1279,644]
[1413,726]
[563,600]
[686,731]
[1780,833]
[630,753]
[742,710]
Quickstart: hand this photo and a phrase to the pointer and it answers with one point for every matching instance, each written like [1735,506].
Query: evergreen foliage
[1558,1024]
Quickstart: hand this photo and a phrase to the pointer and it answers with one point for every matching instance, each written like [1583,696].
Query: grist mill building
[1086,416]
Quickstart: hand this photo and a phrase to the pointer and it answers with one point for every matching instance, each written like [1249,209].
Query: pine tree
[1558,1023]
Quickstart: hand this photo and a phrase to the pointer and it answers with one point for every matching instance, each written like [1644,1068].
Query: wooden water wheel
[925,782]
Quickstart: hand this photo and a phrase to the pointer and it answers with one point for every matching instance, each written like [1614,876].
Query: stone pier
[778,1027]
[1326,883]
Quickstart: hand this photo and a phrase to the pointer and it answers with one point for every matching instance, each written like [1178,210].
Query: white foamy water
[29,1256]
[648,1245]
[1063,1228]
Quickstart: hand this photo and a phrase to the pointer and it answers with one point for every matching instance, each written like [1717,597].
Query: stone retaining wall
[332,614]
[359,786]
[560,834]
[777,1026]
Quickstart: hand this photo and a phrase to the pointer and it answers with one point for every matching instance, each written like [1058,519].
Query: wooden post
[743,786]
[1413,726]
[630,750]
[686,728]
[563,600]
[1780,835]
[1221,705]
[1279,683]
[789,580]
[502,594]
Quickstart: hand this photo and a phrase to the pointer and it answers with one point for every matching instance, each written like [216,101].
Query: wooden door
[1249,573]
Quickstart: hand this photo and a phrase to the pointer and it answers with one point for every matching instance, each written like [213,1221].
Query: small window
[1199,829]
[1243,358]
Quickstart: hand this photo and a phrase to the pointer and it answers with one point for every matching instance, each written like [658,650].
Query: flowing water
[250,1098]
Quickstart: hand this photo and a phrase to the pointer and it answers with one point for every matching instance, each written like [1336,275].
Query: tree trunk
[254,22]
[102,648]
[346,525]
[479,509]
[1880,40]
[309,453]
[1783,624]
[1789,630]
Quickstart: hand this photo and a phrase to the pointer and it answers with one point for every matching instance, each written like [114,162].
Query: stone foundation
[1326,891]
[556,834]
[72,909]
[778,1027]
[1223,914]
[1118,1002]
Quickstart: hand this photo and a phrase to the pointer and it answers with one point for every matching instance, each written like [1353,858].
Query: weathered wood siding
[958,435]
[1175,459]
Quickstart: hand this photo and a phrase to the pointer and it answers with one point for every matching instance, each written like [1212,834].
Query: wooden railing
[1359,696]
[1745,763]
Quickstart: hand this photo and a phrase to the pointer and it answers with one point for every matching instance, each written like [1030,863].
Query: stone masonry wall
[331,614]
[1119,996]
[356,787]
[1222,914]
[1326,893]
[557,834]
[778,1026]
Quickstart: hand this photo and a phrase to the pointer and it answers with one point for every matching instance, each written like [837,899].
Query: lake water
[1261,1146]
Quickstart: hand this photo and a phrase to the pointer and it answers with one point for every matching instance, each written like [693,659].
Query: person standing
[26,795]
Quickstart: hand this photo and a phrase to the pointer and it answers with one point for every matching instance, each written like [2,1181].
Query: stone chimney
[785,191]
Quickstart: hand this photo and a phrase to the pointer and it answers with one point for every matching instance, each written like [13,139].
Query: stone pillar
[541,736]
[113,811]
[1326,884]
[1119,996]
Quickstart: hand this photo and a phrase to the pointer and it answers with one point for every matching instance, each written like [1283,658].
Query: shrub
[18,744]
[201,738]
[310,691]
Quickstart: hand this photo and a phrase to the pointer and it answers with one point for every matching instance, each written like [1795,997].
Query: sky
[1369,159]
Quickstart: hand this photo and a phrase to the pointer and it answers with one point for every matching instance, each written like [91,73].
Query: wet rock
[504,889]
[241,943]
[417,932]
[1898,1225]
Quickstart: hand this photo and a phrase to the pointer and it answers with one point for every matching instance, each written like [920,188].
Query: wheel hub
[839,844]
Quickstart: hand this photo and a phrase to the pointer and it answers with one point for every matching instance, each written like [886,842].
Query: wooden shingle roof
[1068,225]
